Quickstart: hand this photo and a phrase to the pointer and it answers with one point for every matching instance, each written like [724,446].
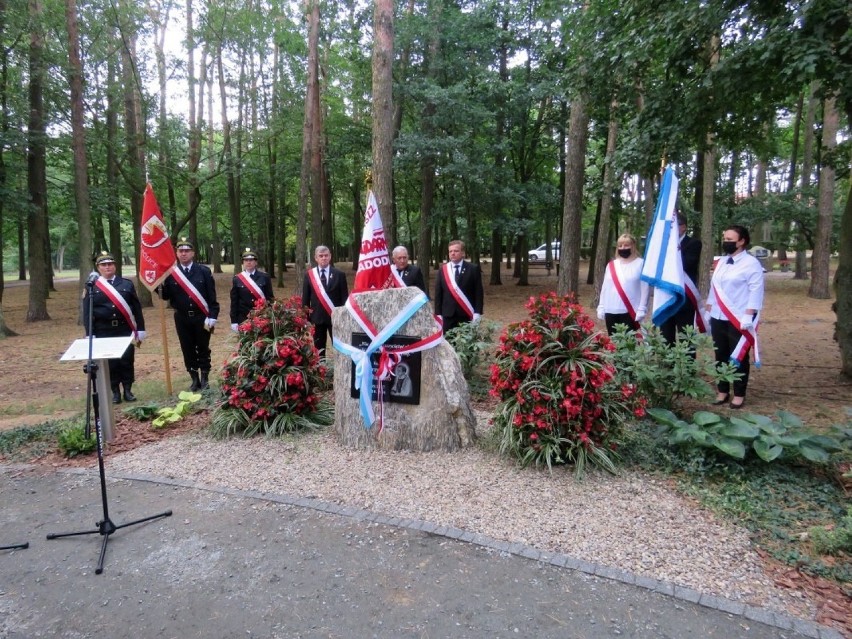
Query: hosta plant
[559,399]
[271,384]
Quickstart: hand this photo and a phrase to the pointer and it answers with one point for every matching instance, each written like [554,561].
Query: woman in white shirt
[736,296]
[624,296]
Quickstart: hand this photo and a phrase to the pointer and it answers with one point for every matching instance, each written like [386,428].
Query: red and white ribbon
[457,293]
[693,296]
[189,289]
[749,335]
[120,303]
[319,290]
[251,285]
[613,273]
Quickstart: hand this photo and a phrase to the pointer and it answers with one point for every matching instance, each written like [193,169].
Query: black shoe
[724,400]
[196,383]
[204,382]
[128,396]
[116,396]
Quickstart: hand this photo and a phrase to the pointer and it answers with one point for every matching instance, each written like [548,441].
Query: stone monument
[442,420]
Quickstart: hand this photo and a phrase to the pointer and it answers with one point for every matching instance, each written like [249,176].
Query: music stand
[105,527]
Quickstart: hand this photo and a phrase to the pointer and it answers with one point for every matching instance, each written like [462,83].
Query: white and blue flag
[663,268]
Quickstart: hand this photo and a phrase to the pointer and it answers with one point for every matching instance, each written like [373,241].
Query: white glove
[601,314]
[235,327]
[746,322]
[640,315]
[476,318]
[209,322]
[140,335]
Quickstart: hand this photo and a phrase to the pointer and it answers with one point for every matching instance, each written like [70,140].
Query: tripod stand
[26,544]
[105,527]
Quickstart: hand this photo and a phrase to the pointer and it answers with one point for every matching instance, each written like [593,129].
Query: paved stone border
[761,615]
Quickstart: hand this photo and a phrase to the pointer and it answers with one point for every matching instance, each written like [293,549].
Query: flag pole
[167,368]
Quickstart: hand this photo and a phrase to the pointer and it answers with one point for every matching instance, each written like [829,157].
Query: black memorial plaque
[404,386]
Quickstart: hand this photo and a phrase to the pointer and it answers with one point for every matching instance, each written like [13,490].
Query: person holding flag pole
[156,261]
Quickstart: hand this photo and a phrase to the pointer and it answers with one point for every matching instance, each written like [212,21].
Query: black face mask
[625,253]
[728,248]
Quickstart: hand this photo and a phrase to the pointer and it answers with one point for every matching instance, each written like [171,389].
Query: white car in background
[539,254]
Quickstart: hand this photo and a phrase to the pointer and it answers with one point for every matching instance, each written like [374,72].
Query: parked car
[540,253]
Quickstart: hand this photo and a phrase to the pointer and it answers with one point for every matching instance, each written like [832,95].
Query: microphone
[93,277]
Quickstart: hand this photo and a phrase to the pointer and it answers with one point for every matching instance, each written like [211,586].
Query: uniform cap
[104,258]
[249,254]
[184,243]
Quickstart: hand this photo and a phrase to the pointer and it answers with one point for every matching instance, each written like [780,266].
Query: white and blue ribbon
[663,268]
[363,365]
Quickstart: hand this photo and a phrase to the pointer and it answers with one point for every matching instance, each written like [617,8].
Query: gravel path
[633,522]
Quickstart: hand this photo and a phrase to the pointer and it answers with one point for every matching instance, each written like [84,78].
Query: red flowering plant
[272,381]
[560,401]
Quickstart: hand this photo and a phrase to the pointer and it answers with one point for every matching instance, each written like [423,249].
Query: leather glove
[476,318]
[141,335]
[746,322]
[601,314]
[209,322]
[235,327]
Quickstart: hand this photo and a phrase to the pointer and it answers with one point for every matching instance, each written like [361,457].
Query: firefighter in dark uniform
[192,324]
[109,321]
[242,298]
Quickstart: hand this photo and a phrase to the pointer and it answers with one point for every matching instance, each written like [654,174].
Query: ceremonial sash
[189,289]
[693,297]
[120,303]
[400,283]
[251,285]
[613,272]
[749,336]
[319,290]
[457,293]
[387,359]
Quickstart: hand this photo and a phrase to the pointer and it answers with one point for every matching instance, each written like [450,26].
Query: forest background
[505,124]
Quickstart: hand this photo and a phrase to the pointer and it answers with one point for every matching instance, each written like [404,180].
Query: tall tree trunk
[791,176]
[572,214]
[801,268]
[163,156]
[314,156]
[383,37]
[39,260]
[216,240]
[233,205]
[78,143]
[112,168]
[708,190]
[819,288]
[603,247]
[843,285]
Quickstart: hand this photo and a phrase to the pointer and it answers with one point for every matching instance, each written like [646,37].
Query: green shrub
[662,373]
[72,440]
[736,437]
[168,415]
[836,540]
[472,341]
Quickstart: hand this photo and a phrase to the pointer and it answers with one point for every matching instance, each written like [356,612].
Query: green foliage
[27,442]
[472,341]
[770,439]
[143,412]
[172,414]
[834,540]
[662,373]
[72,440]
[560,401]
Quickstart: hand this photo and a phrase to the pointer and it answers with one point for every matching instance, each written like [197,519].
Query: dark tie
[186,270]
[457,272]
[323,278]
[730,260]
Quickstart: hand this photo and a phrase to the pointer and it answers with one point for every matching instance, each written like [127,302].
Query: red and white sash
[457,293]
[613,272]
[397,276]
[189,289]
[120,303]
[319,290]
[749,335]
[251,285]
[693,296]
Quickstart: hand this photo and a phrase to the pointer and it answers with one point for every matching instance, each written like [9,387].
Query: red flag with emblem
[374,271]
[156,254]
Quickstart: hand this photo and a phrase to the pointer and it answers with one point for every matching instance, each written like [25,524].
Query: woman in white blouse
[736,296]
[624,296]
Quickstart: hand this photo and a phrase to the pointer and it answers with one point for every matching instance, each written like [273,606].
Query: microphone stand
[105,527]
[26,544]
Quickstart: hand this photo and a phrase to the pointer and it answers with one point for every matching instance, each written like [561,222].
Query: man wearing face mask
[734,303]
[624,296]
[690,255]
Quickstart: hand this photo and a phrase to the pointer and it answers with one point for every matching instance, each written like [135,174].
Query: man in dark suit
[116,312]
[459,295]
[324,289]
[191,292]
[690,255]
[404,272]
[249,287]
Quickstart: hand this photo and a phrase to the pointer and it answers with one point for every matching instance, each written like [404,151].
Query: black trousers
[612,319]
[321,334]
[684,317]
[451,322]
[121,371]
[725,340]
[194,341]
